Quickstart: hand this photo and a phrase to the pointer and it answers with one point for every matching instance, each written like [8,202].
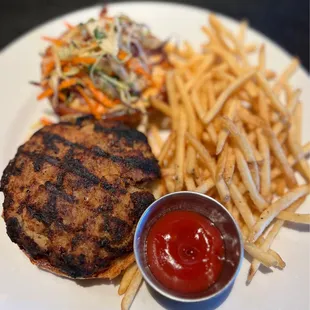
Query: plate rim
[59,19]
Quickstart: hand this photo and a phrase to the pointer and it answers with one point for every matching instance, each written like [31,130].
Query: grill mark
[49,212]
[52,188]
[36,214]
[38,159]
[147,165]
[122,131]
[70,165]
[141,201]
[105,243]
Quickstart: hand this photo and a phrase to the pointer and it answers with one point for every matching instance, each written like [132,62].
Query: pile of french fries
[235,135]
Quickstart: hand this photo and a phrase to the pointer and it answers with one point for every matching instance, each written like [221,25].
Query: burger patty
[74,194]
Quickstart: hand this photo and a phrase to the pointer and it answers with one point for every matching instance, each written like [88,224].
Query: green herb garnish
[99,35]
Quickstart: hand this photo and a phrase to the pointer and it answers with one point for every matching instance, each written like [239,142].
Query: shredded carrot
[46,93]
[68,25]
[44,83]
[136,67]
[100,96]
[57,42]
[122,55]
[133,64]
[45,121]
[64,84]
[83,60]
[93,105]
[66,68]
[67,83]
[141,71]
[61,96]
[48,68]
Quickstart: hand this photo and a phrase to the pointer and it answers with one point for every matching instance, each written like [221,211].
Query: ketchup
[185,251]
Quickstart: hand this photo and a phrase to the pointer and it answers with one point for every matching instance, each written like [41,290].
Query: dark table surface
[285,22]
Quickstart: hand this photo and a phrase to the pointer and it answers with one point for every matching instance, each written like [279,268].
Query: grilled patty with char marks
[75,192]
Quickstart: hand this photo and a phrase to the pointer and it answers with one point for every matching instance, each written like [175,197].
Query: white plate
[24,286]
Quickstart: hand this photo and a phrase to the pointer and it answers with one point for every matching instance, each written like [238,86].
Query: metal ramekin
[213,210]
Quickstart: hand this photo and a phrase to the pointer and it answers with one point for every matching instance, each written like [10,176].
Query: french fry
[250,48]
[264,247]
[274,101]
[180,151]
[203,153]
[293,101]
[242,31]
[262,59]
[212,133]
[229,166]
[297,119]
[293,217]
[156,134]
[263,107]
[281,157]
[158,190]
[166,147]
[219,87]
[296,151]
[245,147]
[206,138]
[230,114]
[203,67]
[265,258]
[170,185]
[236,215]
[241,204]
[257,155]
[265,171]
[280,187]
[153,145]
[248,182]
[288,72]
[225,95]
[221,31]
[200,110]
[210,33]
[127,278]
[292,160]
[189,183]
[167,172]
[171,92]
[223,190]
[247,117]
[211,95]
[131,291]
[271,212]
[244,230]
[271,236]
[191,118]
[161,106]
[204,100]
[278,258]
[234,67]
[221,163]
[205,186]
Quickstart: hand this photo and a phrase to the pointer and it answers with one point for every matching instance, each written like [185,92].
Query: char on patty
[74,193]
